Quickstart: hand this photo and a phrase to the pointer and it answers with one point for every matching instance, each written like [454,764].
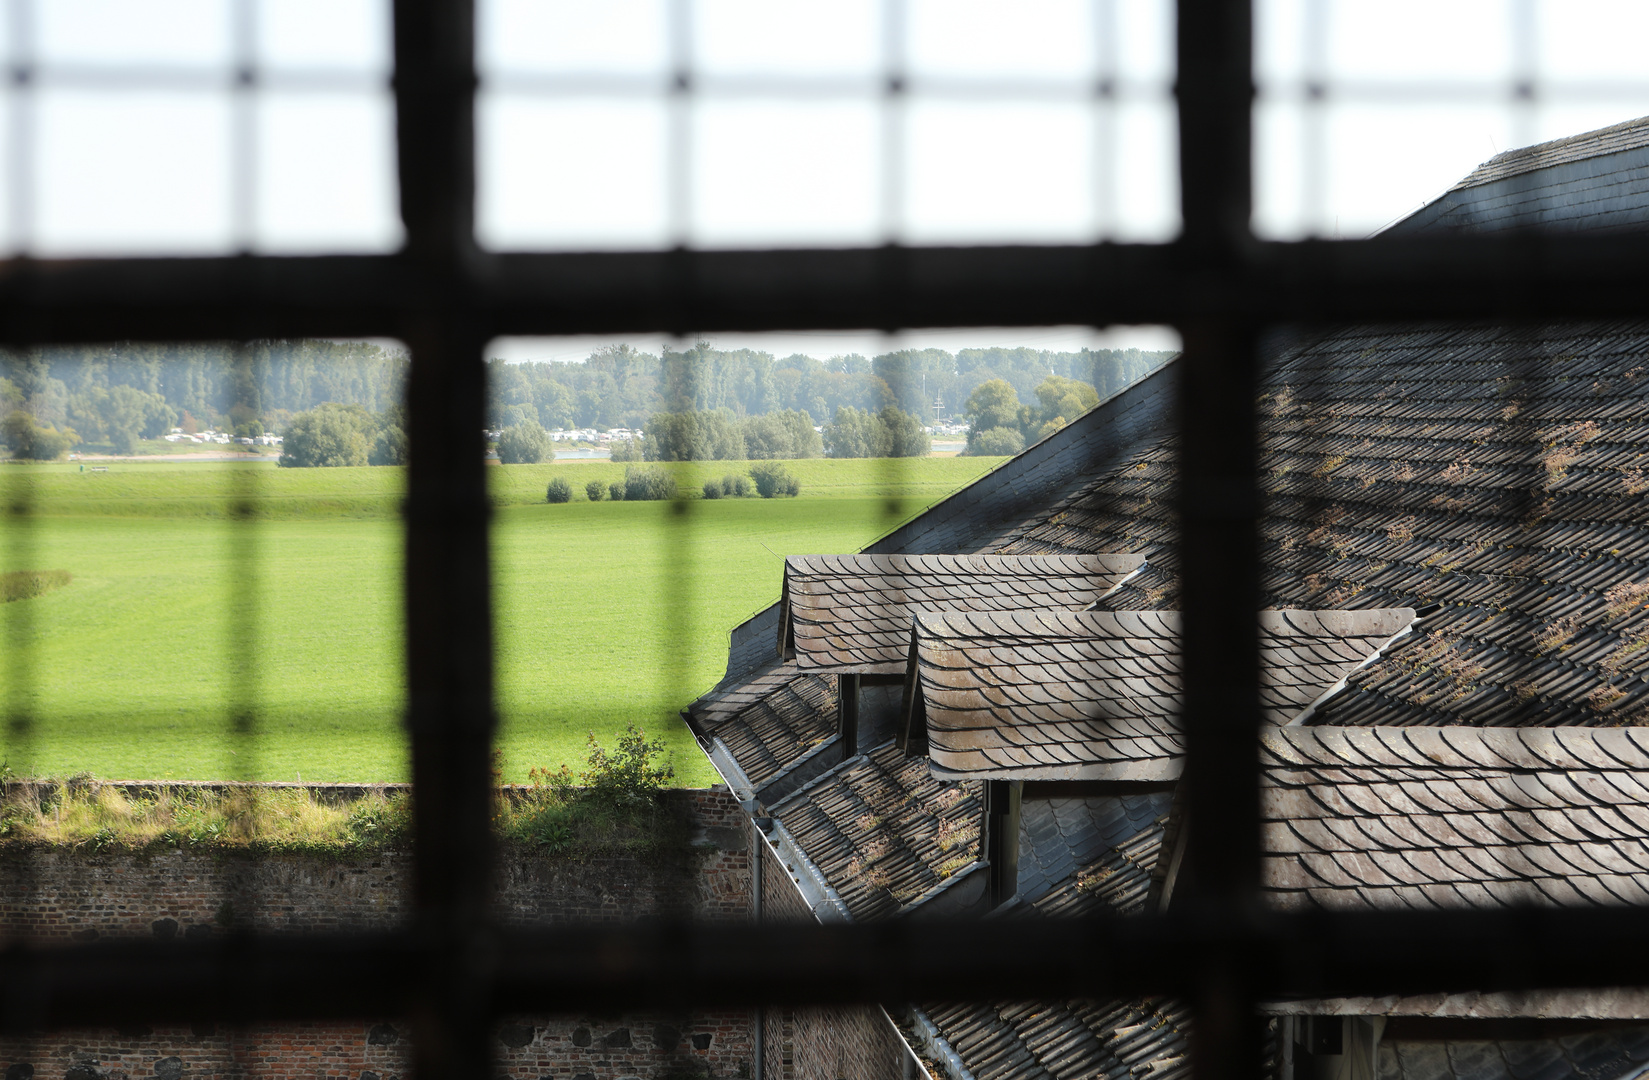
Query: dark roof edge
[996,502]
[1040,475]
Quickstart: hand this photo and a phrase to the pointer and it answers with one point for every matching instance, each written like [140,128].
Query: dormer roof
[851,614]
[1095,695]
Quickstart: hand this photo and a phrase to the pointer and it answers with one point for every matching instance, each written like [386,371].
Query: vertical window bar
[1218,541]
[895,83]
[1525,85]
[245,582]
[20,556]
[450,712]
[243,138]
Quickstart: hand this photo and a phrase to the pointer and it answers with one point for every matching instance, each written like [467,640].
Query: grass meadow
[606,613]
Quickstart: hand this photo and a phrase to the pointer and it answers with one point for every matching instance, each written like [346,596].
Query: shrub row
[769,479]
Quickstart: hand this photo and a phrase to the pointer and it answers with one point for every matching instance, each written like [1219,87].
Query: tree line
[55,399]
[620,386]
[342,400]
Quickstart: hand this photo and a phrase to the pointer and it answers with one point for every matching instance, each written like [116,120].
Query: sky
[135,140]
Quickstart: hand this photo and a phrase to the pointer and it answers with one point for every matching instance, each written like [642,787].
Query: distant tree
[1065,398]
[736,486]
[1056,424]
[525,443]
[595,491]
[329,435]
[787,434]
[559,491]
[389,447]
[995,442]
[993,404]
[902,434]
[629,449]
[851,435]
[712,489]
[32,441]
[889,433]
[648,482]
[773,480]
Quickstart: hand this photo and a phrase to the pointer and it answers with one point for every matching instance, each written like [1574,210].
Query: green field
[606,613]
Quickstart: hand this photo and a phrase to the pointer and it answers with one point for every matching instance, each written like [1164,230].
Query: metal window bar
[453,971]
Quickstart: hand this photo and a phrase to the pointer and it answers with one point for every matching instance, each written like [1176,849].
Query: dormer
[851,615]
[1085,704]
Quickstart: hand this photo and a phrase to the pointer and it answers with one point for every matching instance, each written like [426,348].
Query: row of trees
[110,396]
[619,386]
[721,435]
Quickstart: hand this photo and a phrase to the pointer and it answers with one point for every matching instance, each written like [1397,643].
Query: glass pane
[572,173]
[191,33]
[327,173]
[769,172]
[135,172]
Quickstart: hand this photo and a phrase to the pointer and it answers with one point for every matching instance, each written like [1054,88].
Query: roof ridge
[1614,139]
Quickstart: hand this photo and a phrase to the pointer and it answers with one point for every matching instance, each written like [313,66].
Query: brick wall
[834,1043]
[48,896]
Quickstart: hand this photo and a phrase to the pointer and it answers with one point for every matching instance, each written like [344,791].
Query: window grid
[453,973]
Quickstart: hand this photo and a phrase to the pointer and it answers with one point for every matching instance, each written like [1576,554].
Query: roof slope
[882,832]
[1094,695]
[852,613]
[1455,817]
[1594,182]
[1496,471]
[1612,1054]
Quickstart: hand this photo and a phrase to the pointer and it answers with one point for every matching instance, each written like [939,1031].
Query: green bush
[329,436]
[615,491]
[559,491]
[524,444]
[595,490]
[648,483]
[996,441]
[632,773]
[736,486]
[773,480]
[712,489]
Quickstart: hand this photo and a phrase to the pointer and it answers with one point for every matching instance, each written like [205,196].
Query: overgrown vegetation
[27,584]
[559,491]
[617,804]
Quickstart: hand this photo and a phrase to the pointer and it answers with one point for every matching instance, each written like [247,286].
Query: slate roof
[1069,1040]
[883,832]
[1063,695]
[1455,817]
[1609,1054]
[1495,471]
[852,613]
[784,717]
[1077,852]
[1498,472]
[1628,135]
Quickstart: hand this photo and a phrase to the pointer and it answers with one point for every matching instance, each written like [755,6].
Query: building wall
[822,1043]
[62,896]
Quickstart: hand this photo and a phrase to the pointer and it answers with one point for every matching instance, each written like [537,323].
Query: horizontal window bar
[663,966]
[1498,277]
